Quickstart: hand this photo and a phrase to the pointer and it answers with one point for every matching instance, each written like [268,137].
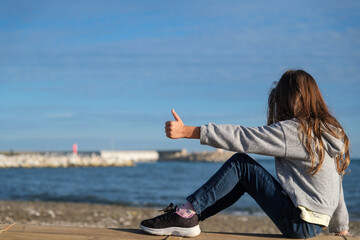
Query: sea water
[147,184]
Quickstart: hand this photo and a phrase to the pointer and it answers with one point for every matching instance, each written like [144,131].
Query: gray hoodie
[321,193]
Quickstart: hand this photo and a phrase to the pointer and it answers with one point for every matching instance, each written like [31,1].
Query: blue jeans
[242,174]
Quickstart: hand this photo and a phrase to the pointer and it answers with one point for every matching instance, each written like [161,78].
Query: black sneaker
[171,223]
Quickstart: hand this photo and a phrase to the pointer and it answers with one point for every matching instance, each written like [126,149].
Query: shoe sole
[177,231]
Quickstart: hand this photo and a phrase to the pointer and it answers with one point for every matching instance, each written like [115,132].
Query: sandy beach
[107,216]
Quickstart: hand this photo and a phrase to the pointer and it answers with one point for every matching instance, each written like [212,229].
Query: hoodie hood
[333,146]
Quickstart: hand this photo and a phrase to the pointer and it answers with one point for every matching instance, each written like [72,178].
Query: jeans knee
[243,157]
[241,161]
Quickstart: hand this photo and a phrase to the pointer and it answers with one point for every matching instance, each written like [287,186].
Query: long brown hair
[297,95]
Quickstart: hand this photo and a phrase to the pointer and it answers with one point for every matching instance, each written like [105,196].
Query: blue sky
[105,74]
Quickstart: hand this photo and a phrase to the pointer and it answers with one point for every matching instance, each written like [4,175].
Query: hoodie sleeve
[340,220]
[266,140]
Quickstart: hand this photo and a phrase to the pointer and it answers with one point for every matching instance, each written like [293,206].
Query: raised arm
[176,129]
[265,140]
[231,137]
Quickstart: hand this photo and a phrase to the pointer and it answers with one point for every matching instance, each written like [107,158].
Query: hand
[342,233]
[175,129]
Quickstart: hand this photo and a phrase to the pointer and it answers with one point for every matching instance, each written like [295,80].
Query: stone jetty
[135,156]
[105,158]
[34,160]
[218,155]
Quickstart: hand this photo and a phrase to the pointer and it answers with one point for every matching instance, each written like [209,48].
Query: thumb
[177,118]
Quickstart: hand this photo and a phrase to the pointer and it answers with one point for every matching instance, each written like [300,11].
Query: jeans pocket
[311,229]
[317,229]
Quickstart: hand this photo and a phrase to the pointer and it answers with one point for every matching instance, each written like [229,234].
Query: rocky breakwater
[218,155]
[135,156]
[34,160]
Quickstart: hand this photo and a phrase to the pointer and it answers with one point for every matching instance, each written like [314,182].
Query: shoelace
[169,208]
[167,218]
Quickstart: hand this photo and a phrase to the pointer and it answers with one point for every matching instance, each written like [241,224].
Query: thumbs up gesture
[175,129]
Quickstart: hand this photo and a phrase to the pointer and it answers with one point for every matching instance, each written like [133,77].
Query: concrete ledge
[26,232]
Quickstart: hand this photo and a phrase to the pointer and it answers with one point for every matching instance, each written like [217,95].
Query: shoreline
[105,158]
[108,216]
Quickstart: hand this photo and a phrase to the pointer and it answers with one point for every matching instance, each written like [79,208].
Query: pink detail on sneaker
[186,210]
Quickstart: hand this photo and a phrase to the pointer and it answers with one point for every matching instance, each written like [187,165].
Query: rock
[51,213]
